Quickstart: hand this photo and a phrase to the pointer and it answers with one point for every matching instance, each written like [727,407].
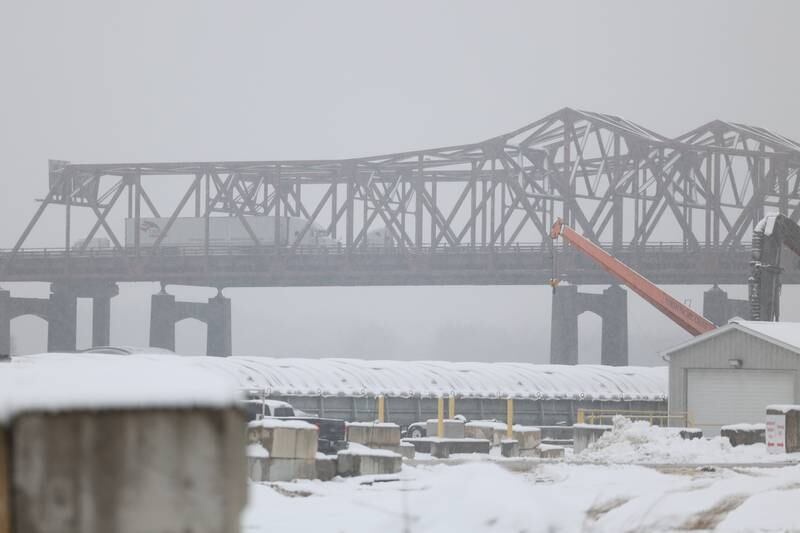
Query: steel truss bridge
[680,210]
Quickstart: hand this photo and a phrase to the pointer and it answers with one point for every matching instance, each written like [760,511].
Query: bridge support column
[611,306]
[6,314]
[718,308]
[218,331]
[62,318]
[162,321]
[614,312]
[564,326]
[101,314]
[165,312]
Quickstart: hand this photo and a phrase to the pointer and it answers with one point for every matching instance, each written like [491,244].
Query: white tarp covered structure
[358,377]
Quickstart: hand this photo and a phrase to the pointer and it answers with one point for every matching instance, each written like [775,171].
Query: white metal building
[729,375]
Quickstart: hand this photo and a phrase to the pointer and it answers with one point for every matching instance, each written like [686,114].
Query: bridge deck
[272,267]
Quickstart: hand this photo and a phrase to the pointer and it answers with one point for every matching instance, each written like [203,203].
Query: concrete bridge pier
[165,312]
[718,308]
[62,313]
[611,306]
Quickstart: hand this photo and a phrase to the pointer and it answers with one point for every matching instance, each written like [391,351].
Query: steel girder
[615,181]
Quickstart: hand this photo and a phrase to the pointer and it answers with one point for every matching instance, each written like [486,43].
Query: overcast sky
[108,81]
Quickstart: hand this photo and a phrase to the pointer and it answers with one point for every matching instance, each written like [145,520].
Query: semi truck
[225,231]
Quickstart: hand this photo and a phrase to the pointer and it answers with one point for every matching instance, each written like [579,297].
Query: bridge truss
[681,210]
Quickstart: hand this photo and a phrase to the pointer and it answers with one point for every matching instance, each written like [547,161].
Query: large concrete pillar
[719,309]
[715,305]
[101,314]
[5,322]
[62,319]
[162,321]
[614,344]
[564,326]
[218,330]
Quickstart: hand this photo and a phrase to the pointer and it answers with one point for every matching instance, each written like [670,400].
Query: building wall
[715,352]
[404,411]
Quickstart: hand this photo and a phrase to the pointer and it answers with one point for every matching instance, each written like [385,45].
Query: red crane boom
[675,310]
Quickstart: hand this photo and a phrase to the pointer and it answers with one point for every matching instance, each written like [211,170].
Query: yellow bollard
[381,409]
[510,418]
[440,425]
[581,417]
[452,406]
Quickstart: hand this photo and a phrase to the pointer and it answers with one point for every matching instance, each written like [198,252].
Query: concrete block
[691,433]
[279,469]
[423,445]
[528,437]
[326,467]
[407,450]
[586,434]
[290,442]
[453,429]
[551,452]
[440,449]
[744,434]
[256,468]
[484,430]
[356,464]
[169,470]
[509,448]
[376,434]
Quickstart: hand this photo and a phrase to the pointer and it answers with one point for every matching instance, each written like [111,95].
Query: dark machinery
[769,237]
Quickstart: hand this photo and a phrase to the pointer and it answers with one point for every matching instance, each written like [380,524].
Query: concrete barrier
[423,445]
[490,430]
[128,471]
[374,434]
[586,434]
[509,448]
[453,429]
[280,469]
[286,439]
[547,451]
[440,449]
[744,434]
[326,467]
[359,460]
[529,437]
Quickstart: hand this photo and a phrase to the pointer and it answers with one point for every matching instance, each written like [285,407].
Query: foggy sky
[169,81]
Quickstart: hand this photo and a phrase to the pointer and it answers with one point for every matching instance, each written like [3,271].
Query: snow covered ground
[619,484]
[554,497]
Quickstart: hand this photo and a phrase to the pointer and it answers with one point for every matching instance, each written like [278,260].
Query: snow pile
[257,451]
[57,382]
[640,442]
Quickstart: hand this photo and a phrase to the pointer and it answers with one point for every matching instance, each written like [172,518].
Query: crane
[769,236]
[675,310]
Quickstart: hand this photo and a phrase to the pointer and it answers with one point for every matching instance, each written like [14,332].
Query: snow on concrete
[482,497]
[639,442]
[55,382]
[744,427]
[272,423]
[354,448]
[785,408]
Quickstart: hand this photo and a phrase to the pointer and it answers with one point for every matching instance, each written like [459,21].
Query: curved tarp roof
[359,377]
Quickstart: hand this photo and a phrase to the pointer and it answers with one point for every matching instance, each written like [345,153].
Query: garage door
[728,396]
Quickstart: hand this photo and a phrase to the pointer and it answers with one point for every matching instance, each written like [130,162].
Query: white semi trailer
[224,231]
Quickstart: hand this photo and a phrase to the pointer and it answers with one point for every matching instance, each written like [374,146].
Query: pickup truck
[332,436]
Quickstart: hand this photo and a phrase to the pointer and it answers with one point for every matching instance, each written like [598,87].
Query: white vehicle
[191,231]
[98,243]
